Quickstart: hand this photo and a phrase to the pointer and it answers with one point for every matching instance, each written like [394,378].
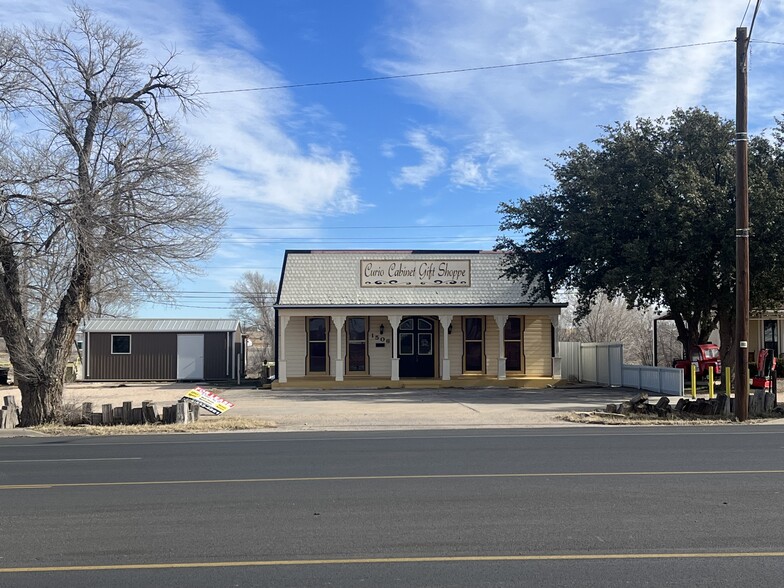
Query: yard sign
[207,400]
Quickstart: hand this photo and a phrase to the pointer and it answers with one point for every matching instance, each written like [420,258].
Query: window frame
[310,341]
[770,326]
[406,334]
[519,342]
[429,336]
[130,345]
[363,342]
[481,341]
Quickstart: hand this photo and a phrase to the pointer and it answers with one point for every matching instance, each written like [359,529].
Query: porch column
[339,321]
[394,321]
[283,322]
[446,322]
[500,320]
[556,357]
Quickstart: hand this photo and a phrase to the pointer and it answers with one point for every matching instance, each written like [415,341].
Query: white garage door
[190,357]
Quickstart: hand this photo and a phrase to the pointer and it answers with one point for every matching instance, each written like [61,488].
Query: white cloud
[503,123]
[671,79]
[258,159]
[467,171]
[433,161]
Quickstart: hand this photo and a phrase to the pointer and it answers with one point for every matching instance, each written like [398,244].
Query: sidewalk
[365,409]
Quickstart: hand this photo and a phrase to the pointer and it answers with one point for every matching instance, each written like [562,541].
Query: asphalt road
[689,506]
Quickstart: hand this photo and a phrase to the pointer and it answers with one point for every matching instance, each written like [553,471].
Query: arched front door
[416,341]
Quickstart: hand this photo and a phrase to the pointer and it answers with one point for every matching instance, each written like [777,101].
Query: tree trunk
[727,336]
[41,400]
[41,374]
[693,330]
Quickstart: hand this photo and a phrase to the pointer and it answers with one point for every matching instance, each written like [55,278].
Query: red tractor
[705,357]
[766,370]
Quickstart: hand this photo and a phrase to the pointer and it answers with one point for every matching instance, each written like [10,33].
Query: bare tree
[253,300]
[97,185]
[613,321]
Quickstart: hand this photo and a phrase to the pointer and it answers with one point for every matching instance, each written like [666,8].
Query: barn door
[190,357]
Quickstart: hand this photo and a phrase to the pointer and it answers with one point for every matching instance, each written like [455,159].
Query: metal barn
[162,349]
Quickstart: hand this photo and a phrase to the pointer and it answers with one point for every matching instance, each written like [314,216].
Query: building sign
[207,400]
[408,273]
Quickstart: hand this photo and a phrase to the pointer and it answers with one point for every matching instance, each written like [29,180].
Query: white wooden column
[283,322]
[446,322]
[339,321]
[394,321]
[500,320]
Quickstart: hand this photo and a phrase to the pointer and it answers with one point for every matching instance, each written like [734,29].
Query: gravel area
[359,409]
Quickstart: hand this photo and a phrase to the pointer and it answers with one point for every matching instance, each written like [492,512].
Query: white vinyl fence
[598,363]
[602,363]
[661,380]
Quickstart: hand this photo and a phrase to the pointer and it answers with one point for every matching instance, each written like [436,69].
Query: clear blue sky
[419,162]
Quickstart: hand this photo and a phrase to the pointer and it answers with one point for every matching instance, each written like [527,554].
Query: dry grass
[590,418]
[205,425]
[602,418]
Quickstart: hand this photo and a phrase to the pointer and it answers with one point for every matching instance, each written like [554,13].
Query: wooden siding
[491,346]
[456,347]
[536,346]
[380,358]
[296,347]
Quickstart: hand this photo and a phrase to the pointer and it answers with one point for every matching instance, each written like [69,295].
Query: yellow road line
[392,560]
[390,477]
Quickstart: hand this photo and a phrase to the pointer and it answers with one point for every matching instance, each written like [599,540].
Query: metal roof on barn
[332,278]
[113,325]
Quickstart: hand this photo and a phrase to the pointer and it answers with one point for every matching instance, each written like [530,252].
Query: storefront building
[397,315]
[764,329]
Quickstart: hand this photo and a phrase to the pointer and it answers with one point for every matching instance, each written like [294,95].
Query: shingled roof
[333,278]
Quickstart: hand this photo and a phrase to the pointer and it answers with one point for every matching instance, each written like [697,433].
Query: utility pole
[742,226]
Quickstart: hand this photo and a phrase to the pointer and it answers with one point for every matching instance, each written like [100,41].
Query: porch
[368,382]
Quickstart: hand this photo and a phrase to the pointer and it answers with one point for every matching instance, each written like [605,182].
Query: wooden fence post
[149,412]
[107,416]
[182,412]
[87,412]
[127,413]
[9,418]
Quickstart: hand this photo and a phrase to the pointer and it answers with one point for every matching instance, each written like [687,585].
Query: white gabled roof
[160,325]
[332,278]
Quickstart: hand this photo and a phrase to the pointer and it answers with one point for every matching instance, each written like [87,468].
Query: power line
[374,227]
[367,239]
[753,19]
[462,70]
[187,292]
[745,12]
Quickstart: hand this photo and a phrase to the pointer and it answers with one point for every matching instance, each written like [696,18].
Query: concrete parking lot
[359,409]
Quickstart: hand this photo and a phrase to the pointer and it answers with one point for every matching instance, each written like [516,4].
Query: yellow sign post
[693,382]
[727,381]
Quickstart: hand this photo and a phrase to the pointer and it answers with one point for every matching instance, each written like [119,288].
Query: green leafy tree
[648,215]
